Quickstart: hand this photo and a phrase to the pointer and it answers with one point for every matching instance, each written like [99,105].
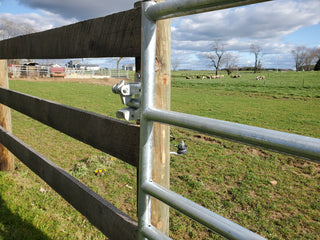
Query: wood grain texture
[6,158]
[161,147]
[117,138]
[116,35]
[107,218]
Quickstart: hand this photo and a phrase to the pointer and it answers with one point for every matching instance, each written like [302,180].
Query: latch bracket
[130,96]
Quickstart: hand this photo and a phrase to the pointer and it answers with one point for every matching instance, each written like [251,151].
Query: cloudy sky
[277,27]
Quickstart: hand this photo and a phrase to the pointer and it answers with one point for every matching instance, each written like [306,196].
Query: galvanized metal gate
[292,144]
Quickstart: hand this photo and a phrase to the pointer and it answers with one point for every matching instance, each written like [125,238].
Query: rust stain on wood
[164,79]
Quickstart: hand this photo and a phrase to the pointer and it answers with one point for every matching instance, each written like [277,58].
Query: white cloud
[271,20]
[39,22]
[80,9]
[264,24]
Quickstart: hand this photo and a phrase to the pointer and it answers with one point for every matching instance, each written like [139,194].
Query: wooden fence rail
[117,138]
[117,35]
[106,217]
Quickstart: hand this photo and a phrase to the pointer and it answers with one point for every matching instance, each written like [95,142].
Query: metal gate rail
[297,145]
[292,144]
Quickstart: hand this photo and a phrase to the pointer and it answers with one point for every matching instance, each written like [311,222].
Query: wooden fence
[117,35]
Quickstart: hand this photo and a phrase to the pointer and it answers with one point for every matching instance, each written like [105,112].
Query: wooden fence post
[6,158]
[161,152]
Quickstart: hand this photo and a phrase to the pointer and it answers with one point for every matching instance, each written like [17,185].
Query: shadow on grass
[14,228]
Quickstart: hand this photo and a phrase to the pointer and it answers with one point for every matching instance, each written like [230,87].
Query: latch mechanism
[130,96]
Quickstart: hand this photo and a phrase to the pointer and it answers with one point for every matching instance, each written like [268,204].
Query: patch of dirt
[207,139]
[254,151]
[99,81]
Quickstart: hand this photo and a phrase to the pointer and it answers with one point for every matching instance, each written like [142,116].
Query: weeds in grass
[96,164]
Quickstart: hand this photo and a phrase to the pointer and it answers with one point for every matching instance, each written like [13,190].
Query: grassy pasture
[285,84]
[229,178]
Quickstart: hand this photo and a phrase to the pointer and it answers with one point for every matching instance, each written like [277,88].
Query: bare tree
[175,63]
[311,59]
[305,58]
[9,29]
[231,62]
[299,54]
[216,57]
[256,51]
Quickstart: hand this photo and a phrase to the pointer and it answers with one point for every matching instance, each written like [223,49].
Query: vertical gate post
[161,147]
[148,55]
[6,157]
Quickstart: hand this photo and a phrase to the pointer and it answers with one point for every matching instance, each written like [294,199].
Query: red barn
[57,71]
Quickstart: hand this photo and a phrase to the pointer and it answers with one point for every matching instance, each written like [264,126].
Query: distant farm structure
[35,70]
[72,69]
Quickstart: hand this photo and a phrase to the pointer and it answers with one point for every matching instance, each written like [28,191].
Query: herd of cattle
[205,77]
[220,76]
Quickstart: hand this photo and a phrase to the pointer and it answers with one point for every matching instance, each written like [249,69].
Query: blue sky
[305,36]
[277,27]
[13,7]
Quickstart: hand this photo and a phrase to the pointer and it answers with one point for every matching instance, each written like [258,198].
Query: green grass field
[229,178]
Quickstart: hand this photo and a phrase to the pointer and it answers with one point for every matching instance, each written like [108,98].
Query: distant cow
[236,76]
[260,77]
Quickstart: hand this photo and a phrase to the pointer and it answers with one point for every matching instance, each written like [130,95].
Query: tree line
[305,59]
[219,57]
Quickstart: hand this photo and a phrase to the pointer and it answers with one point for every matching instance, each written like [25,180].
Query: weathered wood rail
[111,221]
[118,138]
[116,35]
